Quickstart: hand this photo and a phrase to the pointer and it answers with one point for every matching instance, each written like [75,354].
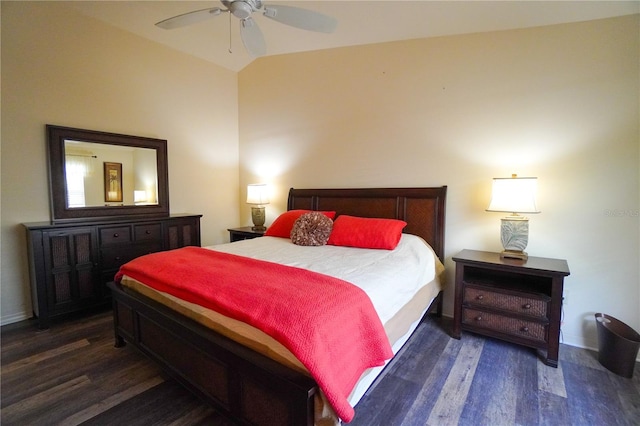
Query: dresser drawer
[148,232]
[115,235]
[522,303]
[113,258]
[504,324]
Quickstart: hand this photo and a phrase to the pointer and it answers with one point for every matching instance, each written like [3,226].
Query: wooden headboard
[422,208]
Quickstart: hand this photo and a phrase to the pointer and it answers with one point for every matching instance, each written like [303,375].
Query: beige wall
[59,67]
[557,102]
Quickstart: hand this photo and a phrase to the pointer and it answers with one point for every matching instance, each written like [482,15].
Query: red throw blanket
[330,325]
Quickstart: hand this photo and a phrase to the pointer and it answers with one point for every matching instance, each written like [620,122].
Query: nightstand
[243,233]
[519,301]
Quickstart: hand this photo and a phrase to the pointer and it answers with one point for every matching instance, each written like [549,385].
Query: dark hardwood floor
[71,374]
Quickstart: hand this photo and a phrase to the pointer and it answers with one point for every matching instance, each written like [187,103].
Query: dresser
[71,263]
[519,301]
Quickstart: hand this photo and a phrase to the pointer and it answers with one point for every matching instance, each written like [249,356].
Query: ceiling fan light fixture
[240,9]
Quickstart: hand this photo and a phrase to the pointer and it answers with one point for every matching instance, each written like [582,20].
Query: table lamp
[514,195]
[257,194]
[139,196]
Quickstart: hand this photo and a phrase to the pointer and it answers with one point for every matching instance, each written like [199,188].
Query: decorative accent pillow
[311,229]
[282,226]
[362,232]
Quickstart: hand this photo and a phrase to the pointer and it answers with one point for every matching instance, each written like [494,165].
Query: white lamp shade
[139,196]
[257,193]
[514,195]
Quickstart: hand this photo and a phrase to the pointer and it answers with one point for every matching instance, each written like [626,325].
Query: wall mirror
[96,174]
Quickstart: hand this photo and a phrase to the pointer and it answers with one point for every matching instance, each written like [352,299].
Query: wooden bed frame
[251,388]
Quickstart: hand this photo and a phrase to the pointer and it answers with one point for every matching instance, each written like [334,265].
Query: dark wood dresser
[513,300]
[71,263]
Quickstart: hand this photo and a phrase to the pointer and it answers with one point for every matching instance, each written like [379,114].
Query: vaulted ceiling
[359,22]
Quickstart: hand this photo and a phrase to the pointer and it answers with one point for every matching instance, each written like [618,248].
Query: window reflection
[75,173]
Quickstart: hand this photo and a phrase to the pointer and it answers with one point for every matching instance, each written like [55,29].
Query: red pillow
[362,232]
[281,227]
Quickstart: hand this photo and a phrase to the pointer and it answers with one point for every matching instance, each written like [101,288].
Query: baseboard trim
[10,319]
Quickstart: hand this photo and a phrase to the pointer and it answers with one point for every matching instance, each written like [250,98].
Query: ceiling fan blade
[301,18]
[252,38]
[189,18]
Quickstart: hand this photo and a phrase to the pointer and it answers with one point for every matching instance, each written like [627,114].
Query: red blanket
[330,325]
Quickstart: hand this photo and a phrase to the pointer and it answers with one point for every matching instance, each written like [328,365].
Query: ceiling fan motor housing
[242,9]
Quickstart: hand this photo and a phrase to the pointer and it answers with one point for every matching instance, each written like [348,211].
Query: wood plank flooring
[71,374]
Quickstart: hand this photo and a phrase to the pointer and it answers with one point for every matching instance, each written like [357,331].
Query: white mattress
[389,277]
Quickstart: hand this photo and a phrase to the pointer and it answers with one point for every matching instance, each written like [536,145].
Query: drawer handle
[527,306]
[479,318]
[116,235]
[525,329]
[480,297]
[147,232]
[118,257]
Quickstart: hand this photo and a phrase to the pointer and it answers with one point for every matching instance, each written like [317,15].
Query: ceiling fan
[250,33]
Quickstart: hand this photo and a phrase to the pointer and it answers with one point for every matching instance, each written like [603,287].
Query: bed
[249,384]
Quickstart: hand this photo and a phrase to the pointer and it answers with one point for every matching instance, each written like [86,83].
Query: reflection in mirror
[87,183]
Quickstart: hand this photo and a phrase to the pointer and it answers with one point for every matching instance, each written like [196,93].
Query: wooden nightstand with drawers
[509,299]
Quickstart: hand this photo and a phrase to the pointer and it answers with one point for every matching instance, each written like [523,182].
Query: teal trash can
[618,345]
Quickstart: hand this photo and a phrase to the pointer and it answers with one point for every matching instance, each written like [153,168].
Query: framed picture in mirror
[112,182]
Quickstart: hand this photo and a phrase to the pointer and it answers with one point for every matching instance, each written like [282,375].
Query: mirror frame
[56,137]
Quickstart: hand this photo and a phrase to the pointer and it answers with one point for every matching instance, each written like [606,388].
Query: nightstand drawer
[523,304]
[515,327]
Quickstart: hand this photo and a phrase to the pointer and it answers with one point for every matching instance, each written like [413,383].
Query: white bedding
[389,277]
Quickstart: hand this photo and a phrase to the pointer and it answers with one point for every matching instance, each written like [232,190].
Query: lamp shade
[257,193]
[139,196]
[514,195]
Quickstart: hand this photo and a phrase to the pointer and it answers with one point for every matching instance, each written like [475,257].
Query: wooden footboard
[248,387]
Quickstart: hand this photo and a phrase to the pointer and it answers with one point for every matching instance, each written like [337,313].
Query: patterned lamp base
[258,218]
[514,233]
